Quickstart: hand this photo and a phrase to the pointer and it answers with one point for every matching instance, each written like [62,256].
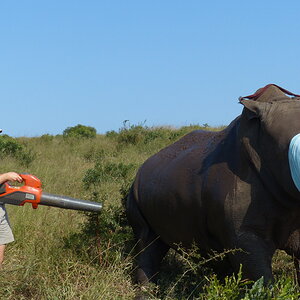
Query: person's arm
[10,176]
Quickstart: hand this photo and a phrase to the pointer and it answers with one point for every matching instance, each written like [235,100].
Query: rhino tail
[135,218]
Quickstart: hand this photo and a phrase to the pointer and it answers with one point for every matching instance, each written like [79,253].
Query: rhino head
[270,135]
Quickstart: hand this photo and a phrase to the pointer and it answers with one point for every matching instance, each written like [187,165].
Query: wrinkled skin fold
[223,190]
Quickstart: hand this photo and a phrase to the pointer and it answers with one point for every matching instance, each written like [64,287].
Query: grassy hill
[64,254]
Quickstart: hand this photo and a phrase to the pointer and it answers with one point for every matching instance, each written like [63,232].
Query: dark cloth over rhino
[223,190]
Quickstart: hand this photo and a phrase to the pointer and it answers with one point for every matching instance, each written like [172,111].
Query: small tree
[80,131]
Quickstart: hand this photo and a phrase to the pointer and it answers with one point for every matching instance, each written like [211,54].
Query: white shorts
[6,235]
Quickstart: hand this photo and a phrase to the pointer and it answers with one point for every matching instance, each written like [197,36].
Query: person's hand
[11,176]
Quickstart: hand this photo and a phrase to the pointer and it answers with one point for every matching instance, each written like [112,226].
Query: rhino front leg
[255,257]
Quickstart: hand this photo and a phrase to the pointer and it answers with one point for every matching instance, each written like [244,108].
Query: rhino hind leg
[297,270]
[150,248]
[151,251]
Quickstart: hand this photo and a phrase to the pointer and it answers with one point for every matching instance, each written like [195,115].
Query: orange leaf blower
[31,192]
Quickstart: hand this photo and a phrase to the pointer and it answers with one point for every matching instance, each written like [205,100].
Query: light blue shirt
[294,159]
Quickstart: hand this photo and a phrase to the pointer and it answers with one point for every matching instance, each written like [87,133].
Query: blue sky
[98,63]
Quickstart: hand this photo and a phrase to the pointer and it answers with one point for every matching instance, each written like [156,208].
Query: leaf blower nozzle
[69,203]
[31,192]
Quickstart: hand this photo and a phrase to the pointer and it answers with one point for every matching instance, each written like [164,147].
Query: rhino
[238,188]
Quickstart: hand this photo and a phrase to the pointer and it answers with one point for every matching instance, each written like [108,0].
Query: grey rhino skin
[222,190]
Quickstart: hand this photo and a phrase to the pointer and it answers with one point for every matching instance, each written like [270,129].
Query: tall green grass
[63,254]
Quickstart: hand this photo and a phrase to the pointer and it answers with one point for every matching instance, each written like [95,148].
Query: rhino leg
[151,251]
[149,247]
[255,257]
[296,264]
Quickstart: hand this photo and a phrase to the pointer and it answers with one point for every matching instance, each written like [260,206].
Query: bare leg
[2,249]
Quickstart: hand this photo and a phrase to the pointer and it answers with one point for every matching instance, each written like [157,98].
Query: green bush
[109,232]
[111,226]
[47,138]
[11,147]
[107,171]
[111,134]
[235,288]
[26,157]
[93,154]
[80,131]
[138,134]
[141,134]
[133,135]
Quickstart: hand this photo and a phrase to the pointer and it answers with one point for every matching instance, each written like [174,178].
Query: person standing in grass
[6,235]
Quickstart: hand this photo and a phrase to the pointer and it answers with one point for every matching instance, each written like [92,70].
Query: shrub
[111,226]
[141,134]
[80,131]
[111,134]
[109,232]
[26,157]
[93,154]
[47,138]
[138,134]
[133,135]
[105,171]
[235,288]
[11,147]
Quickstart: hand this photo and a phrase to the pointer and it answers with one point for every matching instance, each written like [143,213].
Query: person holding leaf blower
[31,192]
[6,235]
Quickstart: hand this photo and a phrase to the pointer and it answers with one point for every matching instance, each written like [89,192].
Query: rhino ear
[254,109]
